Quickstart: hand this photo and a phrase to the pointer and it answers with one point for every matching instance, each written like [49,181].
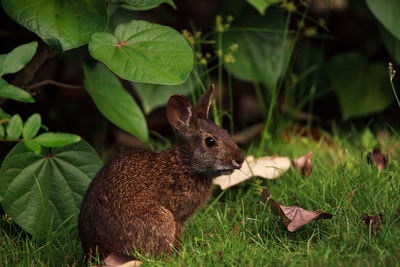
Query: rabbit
[140,200]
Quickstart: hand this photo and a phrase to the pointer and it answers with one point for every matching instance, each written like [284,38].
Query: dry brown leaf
[377,158]
[293,217]
[373,222]
[265,167]
[303,164]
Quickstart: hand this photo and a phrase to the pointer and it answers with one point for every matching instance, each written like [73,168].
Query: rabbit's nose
[238,161]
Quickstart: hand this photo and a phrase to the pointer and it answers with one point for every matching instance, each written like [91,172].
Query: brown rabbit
[140,200]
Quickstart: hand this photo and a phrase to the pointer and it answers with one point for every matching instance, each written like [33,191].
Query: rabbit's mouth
[225,171]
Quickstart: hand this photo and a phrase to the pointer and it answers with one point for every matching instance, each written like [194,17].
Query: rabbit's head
[203,146]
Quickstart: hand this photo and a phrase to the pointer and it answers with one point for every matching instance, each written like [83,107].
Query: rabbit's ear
[203,105]
[179,111]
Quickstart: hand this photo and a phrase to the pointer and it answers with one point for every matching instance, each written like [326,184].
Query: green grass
[236,228]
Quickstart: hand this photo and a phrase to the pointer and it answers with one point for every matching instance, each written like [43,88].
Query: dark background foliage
[351,28]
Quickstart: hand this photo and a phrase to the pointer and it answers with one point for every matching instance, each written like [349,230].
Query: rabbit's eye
[210,142]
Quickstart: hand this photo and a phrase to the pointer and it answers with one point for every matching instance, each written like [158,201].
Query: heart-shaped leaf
[391,42]
[10,91]
[361,87]
[293,217]
[114,102]
[62,24]
[56,139]
[42,191]
[141,51]
[388,13]
[142,4]
[261,55]
[32,126]
[262,5]
[14,127]
[17,58]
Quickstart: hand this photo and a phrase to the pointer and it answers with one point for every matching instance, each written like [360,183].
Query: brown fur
[141,200]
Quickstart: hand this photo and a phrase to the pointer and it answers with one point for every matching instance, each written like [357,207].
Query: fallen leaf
[377,158]
[373,222]
[293,217]
[265,167]
[303,164]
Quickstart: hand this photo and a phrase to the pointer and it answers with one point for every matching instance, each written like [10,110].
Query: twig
[47,82]
[13,140]
[26,75]
[249,134]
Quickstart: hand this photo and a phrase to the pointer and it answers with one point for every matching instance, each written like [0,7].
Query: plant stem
[14,140]
[26,75]
[220,60]
[192,91]
[311,108]
[230,101]
[265,134]
[275,89]
[51,82]
[260,97]
[394,92]
[286,60]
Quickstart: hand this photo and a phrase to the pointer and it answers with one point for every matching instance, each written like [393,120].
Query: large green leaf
[141,51]
[12,92]
[261,55]
[262,5]
[17,58]
[114,102]
[392,44]
[388,13]
[46,189]
[142,4]
[157,95]
[362,88]
[63,24]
